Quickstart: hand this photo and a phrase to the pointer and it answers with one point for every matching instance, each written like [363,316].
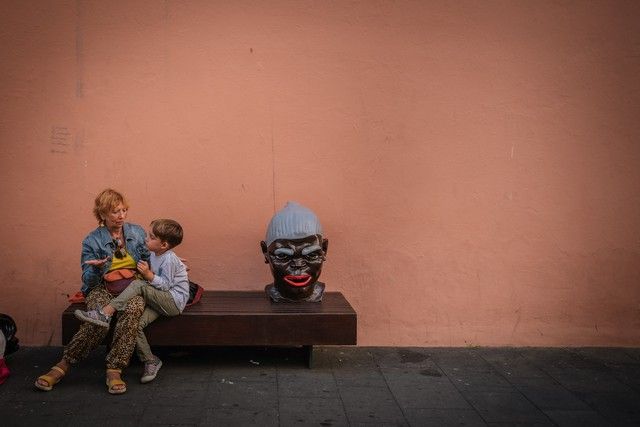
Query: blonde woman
[109,257]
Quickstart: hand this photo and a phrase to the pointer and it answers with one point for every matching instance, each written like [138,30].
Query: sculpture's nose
[297,264]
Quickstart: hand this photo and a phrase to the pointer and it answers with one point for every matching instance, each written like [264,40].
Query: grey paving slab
[94,420]
[312,411]
[38,413]
[590,380]
[359,378]
[619,408]
[406,357]
[370,404]
[506,407]
[462,358]
[247,395]
[523,424]
[440,394]
[607,356]
[414,376]
[257,374]
[547,393]
[628,375]
[120,406]
[191,375]
[576,418]
[351,386]
[307,384]
[240,417]
[419,417]
[66,391]
[511,363]
[169,413]
[177,393]
[634,353]
[352,357]
[479,380]
[562,358]
[428,373]
[378,424]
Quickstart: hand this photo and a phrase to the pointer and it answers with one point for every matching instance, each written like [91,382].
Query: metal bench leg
[308,352]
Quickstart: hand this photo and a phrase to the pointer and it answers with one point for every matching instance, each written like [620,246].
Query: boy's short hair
[168,231]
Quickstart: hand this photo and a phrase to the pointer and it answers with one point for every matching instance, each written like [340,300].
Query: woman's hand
[97,262]
[143,268]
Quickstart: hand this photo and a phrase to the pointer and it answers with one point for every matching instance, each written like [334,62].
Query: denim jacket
[99,245]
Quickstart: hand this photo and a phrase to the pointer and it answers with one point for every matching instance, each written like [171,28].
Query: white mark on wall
[512,149]
[59,139]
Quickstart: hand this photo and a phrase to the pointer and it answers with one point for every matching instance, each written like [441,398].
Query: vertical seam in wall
[273,165]
[79,52]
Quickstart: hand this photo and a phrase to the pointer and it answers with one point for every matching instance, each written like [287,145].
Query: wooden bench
[248,318]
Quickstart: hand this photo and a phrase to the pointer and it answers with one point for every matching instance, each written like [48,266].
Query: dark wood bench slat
[257,302]
[248,318]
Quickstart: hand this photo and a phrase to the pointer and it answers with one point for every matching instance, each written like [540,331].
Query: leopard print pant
[90,336]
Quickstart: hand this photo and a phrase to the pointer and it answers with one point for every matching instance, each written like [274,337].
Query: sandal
[113,383]
[50,379]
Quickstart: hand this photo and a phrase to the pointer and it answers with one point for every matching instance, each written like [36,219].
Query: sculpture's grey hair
[294,221]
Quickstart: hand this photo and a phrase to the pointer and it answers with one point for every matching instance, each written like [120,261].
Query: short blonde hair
[105,202]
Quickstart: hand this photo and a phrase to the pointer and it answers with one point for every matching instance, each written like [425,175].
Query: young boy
[165,292]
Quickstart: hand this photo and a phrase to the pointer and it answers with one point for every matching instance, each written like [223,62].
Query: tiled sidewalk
[349,386]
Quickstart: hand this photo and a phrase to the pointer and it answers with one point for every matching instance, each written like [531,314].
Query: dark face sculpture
[296,264]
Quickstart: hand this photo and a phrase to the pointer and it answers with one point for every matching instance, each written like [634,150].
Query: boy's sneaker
[95,317]
[150,371]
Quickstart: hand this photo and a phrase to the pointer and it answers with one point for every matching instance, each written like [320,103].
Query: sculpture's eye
[281,256]
[313,256]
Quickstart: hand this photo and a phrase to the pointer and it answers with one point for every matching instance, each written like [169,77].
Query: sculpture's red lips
[298,281]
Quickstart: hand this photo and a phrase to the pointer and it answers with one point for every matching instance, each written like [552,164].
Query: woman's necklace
[118,241]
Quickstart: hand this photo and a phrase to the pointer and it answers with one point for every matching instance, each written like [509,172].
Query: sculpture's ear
[325,245]
[263,246]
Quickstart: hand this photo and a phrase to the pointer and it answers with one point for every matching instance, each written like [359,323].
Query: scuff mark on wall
[59,139]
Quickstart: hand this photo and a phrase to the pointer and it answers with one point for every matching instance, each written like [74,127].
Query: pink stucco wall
[476,165]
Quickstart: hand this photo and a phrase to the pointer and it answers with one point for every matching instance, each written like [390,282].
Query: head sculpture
[295,251]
